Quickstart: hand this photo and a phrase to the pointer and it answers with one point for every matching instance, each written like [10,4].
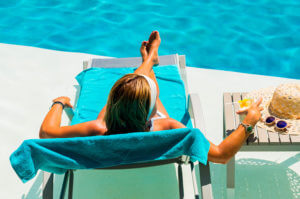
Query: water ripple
[246,36]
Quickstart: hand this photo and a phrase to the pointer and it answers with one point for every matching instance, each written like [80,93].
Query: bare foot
[154,41]
[153,45]
[143,50]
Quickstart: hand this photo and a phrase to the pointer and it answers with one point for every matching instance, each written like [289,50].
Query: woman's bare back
[159,124]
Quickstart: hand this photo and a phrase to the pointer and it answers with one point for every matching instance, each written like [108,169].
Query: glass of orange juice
[244,105]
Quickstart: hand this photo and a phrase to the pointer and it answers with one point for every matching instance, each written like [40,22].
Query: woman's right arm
[223,152]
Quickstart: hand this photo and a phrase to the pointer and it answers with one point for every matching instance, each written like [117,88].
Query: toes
[152,36]
[144,43]
[143,48]
[157,36]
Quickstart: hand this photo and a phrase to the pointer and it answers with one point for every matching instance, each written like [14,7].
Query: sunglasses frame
[275,121]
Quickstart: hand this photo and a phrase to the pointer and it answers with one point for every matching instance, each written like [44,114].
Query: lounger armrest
[69,112]
[196,111]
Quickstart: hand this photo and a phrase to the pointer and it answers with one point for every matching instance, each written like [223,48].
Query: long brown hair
[128,105]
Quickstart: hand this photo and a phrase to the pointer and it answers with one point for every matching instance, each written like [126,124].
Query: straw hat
[283,102]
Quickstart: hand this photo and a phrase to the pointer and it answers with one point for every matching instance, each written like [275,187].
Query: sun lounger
[261,140]
[194,108]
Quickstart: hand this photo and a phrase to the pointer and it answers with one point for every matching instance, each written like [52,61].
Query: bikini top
[151,123]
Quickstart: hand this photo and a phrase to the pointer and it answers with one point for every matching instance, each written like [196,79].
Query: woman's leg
[147,47]
[150,57]
[160,106]
[149,52]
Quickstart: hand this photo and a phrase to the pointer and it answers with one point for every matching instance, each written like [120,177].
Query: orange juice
[244,105]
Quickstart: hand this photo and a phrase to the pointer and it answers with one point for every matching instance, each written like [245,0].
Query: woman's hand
[253,113]
[65,100]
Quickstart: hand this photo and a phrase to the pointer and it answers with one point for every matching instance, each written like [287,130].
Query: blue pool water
[251,36]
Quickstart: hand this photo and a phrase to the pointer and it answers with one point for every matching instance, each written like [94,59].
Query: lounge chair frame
[195,111]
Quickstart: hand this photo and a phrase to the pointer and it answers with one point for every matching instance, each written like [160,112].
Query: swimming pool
[251,36]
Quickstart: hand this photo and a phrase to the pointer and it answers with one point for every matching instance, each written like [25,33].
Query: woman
[133,105]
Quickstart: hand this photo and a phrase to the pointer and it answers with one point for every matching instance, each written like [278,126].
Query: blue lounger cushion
[96,83]
[60,154]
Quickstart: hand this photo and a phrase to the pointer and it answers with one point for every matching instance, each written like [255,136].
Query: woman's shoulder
[167,123]
[98,127]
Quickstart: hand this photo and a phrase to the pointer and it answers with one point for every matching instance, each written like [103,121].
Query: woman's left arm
[51,128]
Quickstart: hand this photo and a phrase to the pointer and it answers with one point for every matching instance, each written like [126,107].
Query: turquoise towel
[61,154]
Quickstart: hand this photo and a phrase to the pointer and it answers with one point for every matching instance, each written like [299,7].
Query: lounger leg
[69,177]
[231,177]
[196,192]
[205,180]
[47,185]
[180,181]
[186,190]
[64,185]
[71,182]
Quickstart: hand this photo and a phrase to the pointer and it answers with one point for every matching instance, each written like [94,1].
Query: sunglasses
[280,125]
